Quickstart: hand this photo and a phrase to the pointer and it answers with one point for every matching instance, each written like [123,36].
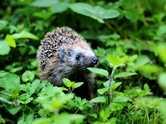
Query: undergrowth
[128,36]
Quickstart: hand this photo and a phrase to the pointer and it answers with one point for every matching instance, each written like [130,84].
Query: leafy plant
[128,37]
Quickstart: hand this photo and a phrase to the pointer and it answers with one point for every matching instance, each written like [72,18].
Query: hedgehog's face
[78,58]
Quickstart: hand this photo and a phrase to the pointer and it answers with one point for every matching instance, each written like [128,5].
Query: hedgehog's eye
[78,56]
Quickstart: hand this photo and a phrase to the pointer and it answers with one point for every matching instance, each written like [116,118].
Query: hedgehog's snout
[94,61]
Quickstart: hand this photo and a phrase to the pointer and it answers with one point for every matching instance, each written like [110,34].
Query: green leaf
[71,84]
[104,114]
[117,106]
[133,15]
[99,99]
[26,118]
[42,121]
[67,83]
[103,90]
[44,3]
[162,81]
[62,118]
[25,98]
[161,31]
[13,109]
[3,24]
[78,84]
[96,12]
[160,50]
[115,85]
[52,98]
[142,60]
[10,41]
[116,61]
[124,74]
[10,82]
[43,14]
[59,7]
[99,71]
[6,101]
[121,99]
[150,71]
[4,48]
[28,76]
[25,34]
[35,85]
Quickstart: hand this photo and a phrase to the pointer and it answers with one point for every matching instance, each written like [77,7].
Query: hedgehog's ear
[61,55]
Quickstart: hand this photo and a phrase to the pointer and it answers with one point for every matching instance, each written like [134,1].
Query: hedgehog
[62,53]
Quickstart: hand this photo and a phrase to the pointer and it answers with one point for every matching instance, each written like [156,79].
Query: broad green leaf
[124,74]
[6,101]
[52,98]
[108,83]
[114,85]
[162,81]
[161,31]
[99,99]
[10,41]
[160,50]
[104,114]
[103,90]
[59,7]
[99,71]
[67,83]
[150,71]
[121,99]
[133,15]
[13,109]
[65,118]
[3,24]
[26,118]
[44,3]
[96,12]
[113,120]
[116,61]
[43,14]
[42,121]
[25,34]
[59,101]
[25,98]
[133,9]
[28,76]
[78,84]
[4,48]
[141,60]
[35,85]
[14,67]
[117,106]
[10,82]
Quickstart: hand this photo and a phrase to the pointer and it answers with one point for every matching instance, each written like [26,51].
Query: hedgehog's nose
[94,60]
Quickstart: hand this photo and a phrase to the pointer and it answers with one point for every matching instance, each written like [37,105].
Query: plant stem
[111,79]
